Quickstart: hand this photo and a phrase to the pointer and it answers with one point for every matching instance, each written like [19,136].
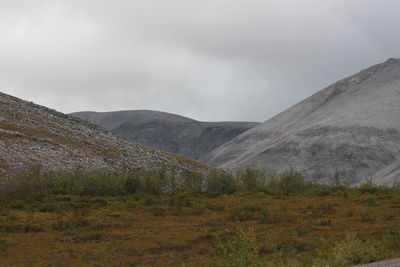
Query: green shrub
[280,216]
[181,199]
[352,250]
[324,222]
[367,201]
[221,183]
[159,210]
[291,183]
[253,179]
[237,248]
[72,223]
[391,241]
[192,181]
[325,207]
[302,230]
[241,214]
[151,183]
[49,207]
[133,184]
[215,207]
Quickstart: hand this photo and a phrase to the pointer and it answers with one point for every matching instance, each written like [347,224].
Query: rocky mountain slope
[388,175]
[167,131]
[352,127]
[33,134]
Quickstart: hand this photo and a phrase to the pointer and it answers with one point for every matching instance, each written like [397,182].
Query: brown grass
[127,232]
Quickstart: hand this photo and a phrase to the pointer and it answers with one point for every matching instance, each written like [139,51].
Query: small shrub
[241,214]
[16,204]
[159,210]
[181,199]
[325,207]
[302,230]
[192,181]
[391,240]
[291,183]
[49,207]
[265,216]
[237,248]
[221,183]
[250,179]
[324,222]
[215,207]
[252,208]
[99,202]
[72,223]
[63,198]
[133,184]
[355,251]
[149,200]
[367,201]
[280,216]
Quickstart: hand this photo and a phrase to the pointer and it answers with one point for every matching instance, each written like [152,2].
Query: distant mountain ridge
[166,131]
[352,127]
[32,134]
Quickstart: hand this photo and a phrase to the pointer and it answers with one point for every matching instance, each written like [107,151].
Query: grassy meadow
[155,218]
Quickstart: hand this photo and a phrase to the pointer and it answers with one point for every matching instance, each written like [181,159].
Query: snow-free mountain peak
[351,127]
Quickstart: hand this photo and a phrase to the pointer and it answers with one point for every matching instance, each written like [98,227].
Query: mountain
[32,134]
[167,131]
[351,127]
[388,175]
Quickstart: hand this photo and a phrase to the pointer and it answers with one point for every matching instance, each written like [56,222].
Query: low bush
[325,207]
[241,214]
[352,250]
[291,183]
[237,248]
[280,216]
[72,223]
[221,183]
[36,185]
[159,210]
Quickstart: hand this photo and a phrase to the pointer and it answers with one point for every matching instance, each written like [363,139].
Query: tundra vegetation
[158,218]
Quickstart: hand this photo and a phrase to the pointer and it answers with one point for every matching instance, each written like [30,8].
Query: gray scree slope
[167,131]
[33,134]
[351,126]
[388,175]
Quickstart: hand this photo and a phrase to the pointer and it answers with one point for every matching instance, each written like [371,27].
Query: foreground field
[188,229]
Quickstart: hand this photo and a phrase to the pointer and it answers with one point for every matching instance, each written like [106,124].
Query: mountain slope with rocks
[351,127]
[388,175]
[31,134]
[167,131]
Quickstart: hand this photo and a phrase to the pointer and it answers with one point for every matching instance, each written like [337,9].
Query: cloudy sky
[209,60]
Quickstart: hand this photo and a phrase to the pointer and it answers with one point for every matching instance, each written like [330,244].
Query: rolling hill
[167,131]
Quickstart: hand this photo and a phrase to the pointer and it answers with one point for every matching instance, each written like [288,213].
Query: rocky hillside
[388,175]
[33,134]
[168,131]
[352,127]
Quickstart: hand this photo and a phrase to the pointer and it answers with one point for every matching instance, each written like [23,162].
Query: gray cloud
[210,60]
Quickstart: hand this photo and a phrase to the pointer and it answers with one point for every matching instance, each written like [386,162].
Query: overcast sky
[209,60]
